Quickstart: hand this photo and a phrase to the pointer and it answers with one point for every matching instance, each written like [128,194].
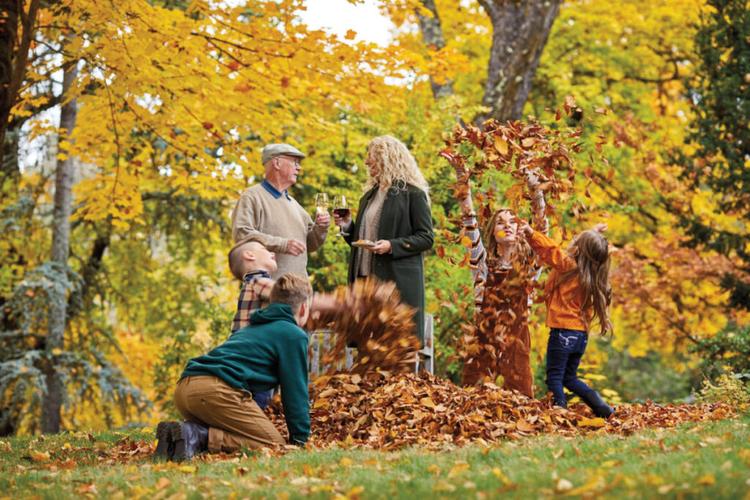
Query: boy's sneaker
[164,442]
[189,439]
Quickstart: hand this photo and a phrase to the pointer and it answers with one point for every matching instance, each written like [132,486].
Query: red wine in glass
[341,209]
[342,212]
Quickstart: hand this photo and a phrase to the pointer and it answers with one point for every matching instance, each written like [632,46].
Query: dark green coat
[406,222]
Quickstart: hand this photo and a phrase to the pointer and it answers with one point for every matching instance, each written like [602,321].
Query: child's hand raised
[523,227]
[456,162]
[601,227]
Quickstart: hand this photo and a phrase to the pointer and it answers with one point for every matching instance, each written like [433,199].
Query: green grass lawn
[709,460]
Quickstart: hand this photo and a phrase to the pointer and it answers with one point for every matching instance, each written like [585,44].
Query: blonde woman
[394,213]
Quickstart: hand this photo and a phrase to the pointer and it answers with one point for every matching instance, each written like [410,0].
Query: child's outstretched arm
[538,203]
[547,250]
[478,256]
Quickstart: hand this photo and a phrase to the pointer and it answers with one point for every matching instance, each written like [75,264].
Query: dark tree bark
[14,53]
[60,250]
[520,29]
[432,36]
[8,38]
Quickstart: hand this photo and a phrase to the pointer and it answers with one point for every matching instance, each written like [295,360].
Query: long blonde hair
[396,165]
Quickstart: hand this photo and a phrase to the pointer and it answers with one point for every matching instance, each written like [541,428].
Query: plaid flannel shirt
[254,295]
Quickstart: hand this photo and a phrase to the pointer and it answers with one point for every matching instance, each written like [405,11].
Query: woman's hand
[381,247]
[342,222]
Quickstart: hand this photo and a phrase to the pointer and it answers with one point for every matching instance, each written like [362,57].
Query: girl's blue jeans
[565,349]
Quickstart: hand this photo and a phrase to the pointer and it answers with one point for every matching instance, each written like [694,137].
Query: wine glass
[341,209]
[321,203]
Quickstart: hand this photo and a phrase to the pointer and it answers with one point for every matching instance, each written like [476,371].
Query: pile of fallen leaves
[374,320]
[387,411]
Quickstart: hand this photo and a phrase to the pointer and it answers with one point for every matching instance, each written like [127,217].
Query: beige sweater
[276,221]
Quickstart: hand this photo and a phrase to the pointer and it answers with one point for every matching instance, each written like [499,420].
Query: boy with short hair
[252,263]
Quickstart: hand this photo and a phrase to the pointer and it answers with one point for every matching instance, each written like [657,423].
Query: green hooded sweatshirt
[272,351]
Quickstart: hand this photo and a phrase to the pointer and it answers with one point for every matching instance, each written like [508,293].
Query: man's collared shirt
[254,295]
[275,192]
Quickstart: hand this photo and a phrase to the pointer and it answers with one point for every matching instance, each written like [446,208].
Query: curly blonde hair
[396,165]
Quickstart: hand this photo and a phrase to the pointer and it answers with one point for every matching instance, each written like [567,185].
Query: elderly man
[268,212]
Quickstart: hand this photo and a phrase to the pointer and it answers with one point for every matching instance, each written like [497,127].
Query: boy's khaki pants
[232,417]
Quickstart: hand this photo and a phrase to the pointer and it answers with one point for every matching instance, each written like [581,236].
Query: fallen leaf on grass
[500,475]
[39,456]
[443,486]
[592,422]
[162,483]
[355,492]
[87,489]
[664,489]
[458,468]
[562,485]
[707,480]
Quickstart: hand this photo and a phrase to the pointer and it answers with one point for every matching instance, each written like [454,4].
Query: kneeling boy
[214,394]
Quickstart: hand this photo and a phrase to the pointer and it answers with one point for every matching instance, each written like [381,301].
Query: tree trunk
[520,29]
[432,36]
[10,170]
[13,57]
[60,249]
[8,37]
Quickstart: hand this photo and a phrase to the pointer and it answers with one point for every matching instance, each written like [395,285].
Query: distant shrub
[728,389]
[726,352]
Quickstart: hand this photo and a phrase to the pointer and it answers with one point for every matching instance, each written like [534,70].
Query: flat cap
[271,151]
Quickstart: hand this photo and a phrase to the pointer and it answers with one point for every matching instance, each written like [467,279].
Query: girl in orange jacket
[577,292]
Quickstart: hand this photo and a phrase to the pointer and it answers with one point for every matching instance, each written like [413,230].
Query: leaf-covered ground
[388,411]
[707,459]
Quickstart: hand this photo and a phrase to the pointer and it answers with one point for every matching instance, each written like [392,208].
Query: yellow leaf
[592,422]
[458,468]
[707,480]
[188,469]
[524,426]
[434,469]
[500,475]
[162,483]
[355,492]
[428,402]
[39,456]
[663,490]
[501,145]
[350,34]
[444,486]
[346,462]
